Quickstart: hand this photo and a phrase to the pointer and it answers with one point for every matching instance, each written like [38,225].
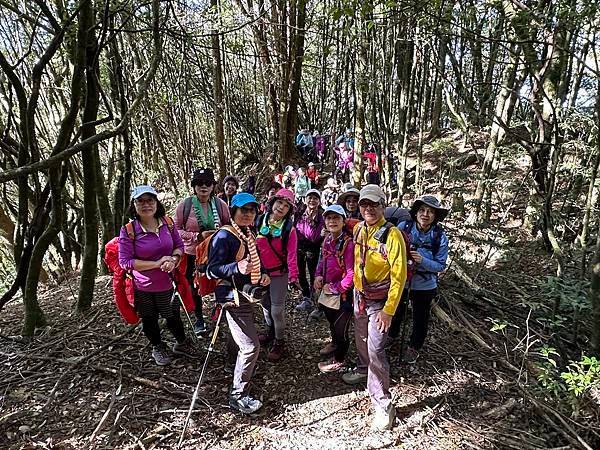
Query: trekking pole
[403,334]
[210,349]
[189,319]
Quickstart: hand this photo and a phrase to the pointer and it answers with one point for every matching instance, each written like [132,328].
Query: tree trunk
[218,94]
[90,210]
[595,298]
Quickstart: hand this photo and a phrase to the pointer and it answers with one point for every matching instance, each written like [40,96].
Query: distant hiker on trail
[379,277]
[196,218]
[330,193]
[349,201]
[302,185]
[233,259]
[321,143]
[304,143]
[309,224]
[151,254]
[346,138]
[313,174]
[289,177]
[334,281]
[277,243]
[428,254]
[345,161]
[372,168]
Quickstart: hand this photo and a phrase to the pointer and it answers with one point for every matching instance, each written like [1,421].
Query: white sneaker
[384,420]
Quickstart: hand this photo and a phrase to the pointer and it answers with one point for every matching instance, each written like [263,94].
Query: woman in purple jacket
[150,255]
[334,279]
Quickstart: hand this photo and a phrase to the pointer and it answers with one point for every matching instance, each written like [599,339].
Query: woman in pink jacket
[277,245]
[334,278]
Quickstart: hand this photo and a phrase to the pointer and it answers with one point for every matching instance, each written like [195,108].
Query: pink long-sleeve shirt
[270,260]
[189,230]
[339,279]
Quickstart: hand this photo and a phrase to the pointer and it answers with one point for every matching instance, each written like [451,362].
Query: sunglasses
[248,210]
[203,183]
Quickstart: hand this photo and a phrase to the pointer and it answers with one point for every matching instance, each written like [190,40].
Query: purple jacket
[148,246]
[310,230]
[340,280]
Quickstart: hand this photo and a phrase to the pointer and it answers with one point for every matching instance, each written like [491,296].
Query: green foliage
[567,386]
[572,293]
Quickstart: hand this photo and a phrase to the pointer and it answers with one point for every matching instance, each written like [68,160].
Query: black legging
[421,307]
[339,322]
[149,305]
[189,274]
[308,255]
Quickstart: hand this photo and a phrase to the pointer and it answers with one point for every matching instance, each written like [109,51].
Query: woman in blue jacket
[428,252]
[233,259]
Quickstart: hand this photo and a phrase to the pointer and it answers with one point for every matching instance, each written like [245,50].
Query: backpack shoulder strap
[187,208]
[381,235]
[341,250]
[285,235]
[130,230]
[436,238]
[408,226]
[168,221]
[242,249]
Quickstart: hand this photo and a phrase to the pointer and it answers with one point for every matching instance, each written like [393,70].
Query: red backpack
[123,281]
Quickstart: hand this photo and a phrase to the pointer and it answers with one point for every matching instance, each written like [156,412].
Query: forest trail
[89,382]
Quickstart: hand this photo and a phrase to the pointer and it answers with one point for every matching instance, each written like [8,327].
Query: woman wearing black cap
[428,254]
[196,218]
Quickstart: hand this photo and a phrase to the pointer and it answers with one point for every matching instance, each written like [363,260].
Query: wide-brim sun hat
[314,192]
[373,193]
[243,199]
[138,191]
[348,193]
[335,209]
[440,211]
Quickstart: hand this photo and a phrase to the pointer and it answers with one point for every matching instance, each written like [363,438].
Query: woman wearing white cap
[334,280]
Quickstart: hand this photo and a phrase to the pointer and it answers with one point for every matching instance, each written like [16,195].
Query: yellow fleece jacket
[378,268]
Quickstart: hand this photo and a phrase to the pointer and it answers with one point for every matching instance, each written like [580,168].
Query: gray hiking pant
[372,358]
[243,331]
[273,304]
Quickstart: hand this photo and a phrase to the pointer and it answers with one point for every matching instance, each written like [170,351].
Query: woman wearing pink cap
[277,244]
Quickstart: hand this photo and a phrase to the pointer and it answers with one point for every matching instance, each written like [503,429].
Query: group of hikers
[314,147]
[351,264]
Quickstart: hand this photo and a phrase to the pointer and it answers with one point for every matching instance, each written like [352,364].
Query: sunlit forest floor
[90,382]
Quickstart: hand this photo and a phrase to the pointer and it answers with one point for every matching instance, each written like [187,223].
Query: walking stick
[210,349]
[403,334]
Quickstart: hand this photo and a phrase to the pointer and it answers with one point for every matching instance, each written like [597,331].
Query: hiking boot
[328,349]
[316,315]
[384,420]
[266,338]
[200,327]
[161,355]
[186,348]
[277,351]
[354,377]
[411,356]
[245,404]
[305,305]
[331,366]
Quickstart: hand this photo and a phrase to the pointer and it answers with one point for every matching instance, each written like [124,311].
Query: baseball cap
[313,192]
[334,209]
[138,191]
[373,193]
[243,199]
